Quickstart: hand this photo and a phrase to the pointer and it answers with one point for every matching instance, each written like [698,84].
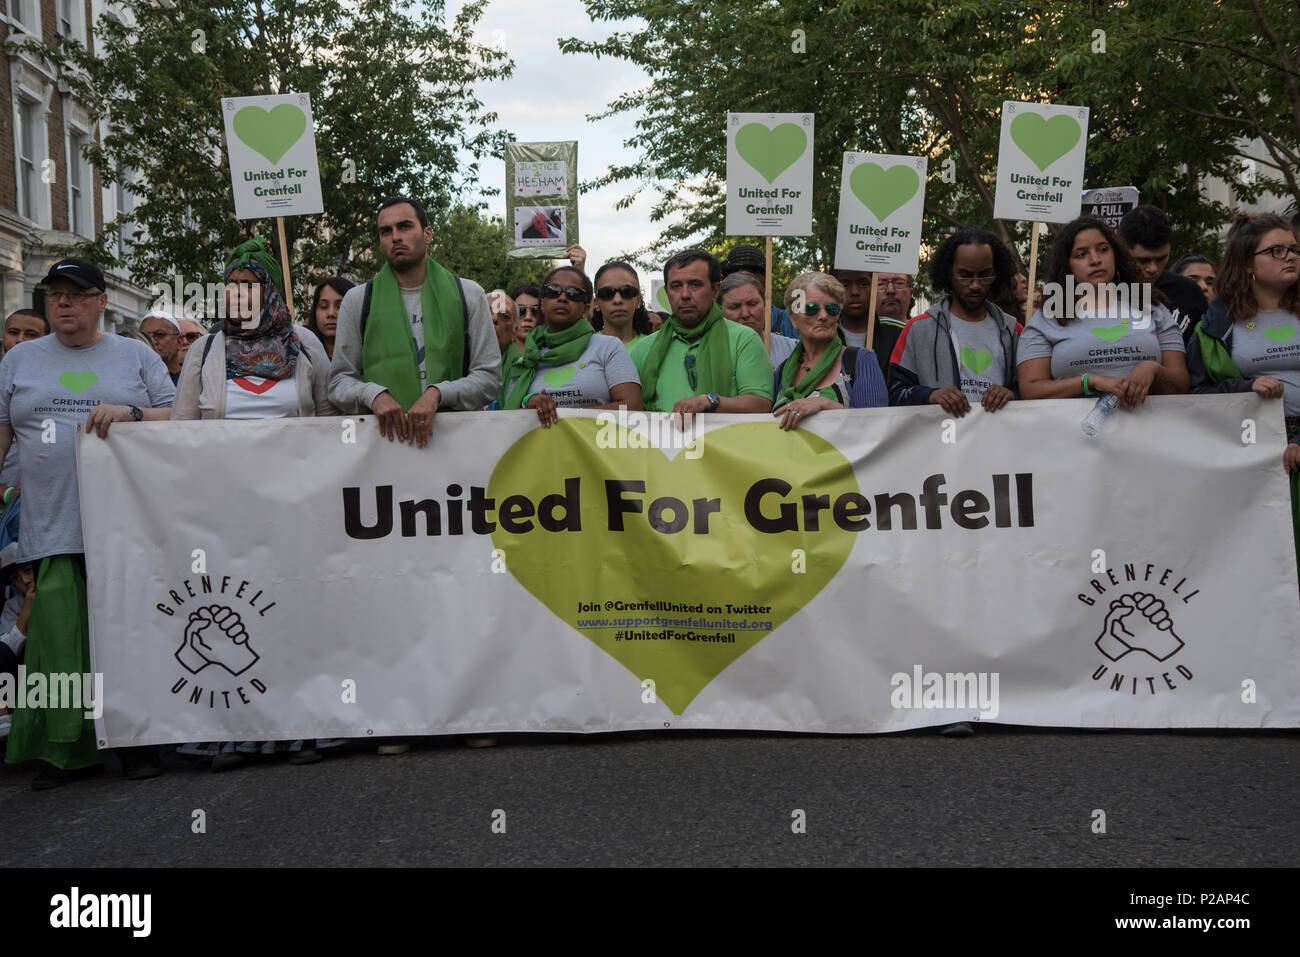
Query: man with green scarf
[697,361]
[427,342]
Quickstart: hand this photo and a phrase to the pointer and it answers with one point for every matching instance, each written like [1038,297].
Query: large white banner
[874,571]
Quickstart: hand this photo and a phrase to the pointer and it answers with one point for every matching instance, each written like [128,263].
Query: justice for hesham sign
[877,570]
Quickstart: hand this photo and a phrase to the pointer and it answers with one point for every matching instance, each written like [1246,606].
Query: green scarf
[564,347]
[713,358]
[388,350]
[791,390]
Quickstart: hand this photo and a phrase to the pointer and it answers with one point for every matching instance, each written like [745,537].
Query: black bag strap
[207,347]
[464,317]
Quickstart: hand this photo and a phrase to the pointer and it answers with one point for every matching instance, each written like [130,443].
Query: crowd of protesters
[417,340]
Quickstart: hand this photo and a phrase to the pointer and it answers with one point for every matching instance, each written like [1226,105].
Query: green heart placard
[1045,141]
[78,382]
[724,561]
[661,297]
[884,191]
[977,360]
[273,133]
[771,151]
[1281,333]
[1111,334]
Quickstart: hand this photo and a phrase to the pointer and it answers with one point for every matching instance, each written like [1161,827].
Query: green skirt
[58,640]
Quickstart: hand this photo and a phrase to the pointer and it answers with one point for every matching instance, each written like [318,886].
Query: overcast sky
[549,97]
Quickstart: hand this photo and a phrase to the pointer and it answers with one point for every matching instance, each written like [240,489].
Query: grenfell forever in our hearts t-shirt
[586,382]
[47,389]
[981,359]
[1272,348]
[1106,344]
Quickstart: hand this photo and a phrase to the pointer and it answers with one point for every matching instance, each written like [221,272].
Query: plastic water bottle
[1105,406]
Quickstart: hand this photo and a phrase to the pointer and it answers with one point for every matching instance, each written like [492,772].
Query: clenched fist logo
[215,635]
[1138,622]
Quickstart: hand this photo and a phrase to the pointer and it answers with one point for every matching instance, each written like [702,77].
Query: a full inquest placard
[882,202]
[769,174]
[1040,162]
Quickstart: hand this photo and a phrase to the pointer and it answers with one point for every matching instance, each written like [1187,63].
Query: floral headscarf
[269,349]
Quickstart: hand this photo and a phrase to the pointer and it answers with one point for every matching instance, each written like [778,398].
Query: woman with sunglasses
[619,310]
[528,311]
[564,363]
[1099,342]
[821,373]
[1248,340]
[963,350]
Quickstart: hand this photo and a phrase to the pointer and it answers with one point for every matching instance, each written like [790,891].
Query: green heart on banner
[661,297]
[562,375]
[1045,141]
[884,191]
[1281,333]
[1111,334]
[78,381]
[270,134]
[770,152]
[733,563]
[976,360]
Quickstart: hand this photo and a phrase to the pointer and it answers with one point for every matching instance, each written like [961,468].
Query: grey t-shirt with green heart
[1099,344]
[1272,348]
[47,389]
[980,356]
[604,363]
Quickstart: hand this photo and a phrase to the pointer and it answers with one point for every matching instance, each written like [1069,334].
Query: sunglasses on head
[606,293]
[574,293]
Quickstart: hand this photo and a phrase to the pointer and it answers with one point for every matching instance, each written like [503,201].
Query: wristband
[9,492]
[1086,389]
[528,398]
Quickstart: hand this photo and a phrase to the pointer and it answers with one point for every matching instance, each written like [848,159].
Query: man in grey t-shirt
[404,237]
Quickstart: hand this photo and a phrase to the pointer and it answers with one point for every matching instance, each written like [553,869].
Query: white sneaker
[480,742]
[393,748]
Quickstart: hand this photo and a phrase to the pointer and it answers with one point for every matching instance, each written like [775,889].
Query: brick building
[50,195]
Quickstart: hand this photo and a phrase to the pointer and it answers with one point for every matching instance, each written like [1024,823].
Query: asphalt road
[1005,797]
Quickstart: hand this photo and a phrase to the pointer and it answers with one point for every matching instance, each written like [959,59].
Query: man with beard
[964,349]
[893,303]
[416,338]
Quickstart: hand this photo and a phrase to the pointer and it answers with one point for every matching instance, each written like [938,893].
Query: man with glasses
[77,377]
[1149,237]
[416,339]
[164,334]
[893,296]
[964,349]
[698,361]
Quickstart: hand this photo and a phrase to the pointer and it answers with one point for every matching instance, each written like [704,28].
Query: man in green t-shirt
[697,361]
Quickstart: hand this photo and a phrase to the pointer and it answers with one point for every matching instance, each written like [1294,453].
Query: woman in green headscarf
[564,363]
[822,373]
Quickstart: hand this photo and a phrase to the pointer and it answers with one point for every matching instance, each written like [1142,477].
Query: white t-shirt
[981,359]
[1271,347]
[413,300]
[1105,344]
[252,397]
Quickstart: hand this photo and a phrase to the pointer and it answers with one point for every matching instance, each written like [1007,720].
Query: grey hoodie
[924,359]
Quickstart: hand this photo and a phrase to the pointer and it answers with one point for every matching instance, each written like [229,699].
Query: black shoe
[51,777]
[308,755]
[141,764]
[962,729]
[227,761]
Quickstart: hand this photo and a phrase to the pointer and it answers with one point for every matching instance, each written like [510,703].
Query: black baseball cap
[85,274]
[744,258]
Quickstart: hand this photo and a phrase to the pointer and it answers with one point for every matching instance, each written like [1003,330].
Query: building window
[79,211]
[65,18]
[125,203]
[26,159]
[27,14]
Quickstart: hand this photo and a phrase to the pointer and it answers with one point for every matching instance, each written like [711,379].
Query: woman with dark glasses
[564,363]
[528,306]
[619,309]
[822,373]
